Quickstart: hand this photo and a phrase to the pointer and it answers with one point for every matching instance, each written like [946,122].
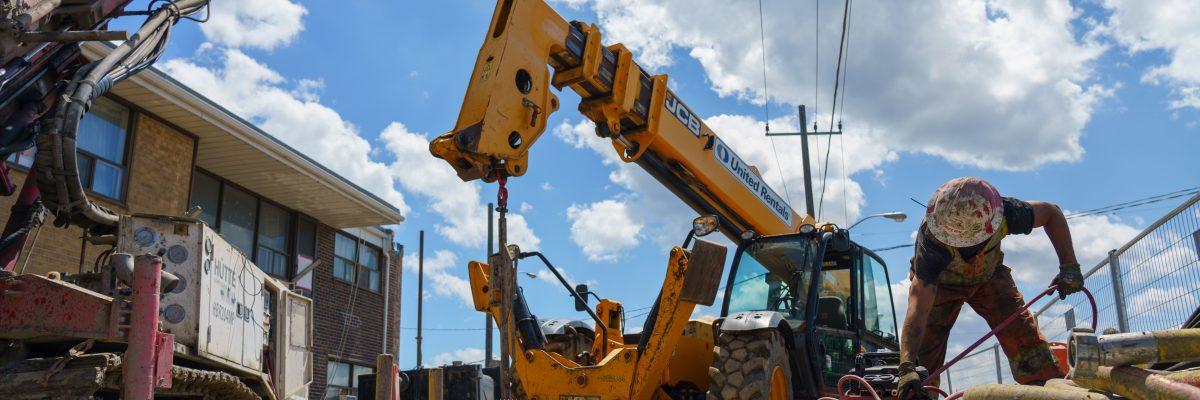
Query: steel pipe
[1022,392]
[1137,384]
[137,375]
[72,36]
[1089,352]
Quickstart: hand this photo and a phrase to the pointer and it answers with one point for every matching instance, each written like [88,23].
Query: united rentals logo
[680,111]
[752,181]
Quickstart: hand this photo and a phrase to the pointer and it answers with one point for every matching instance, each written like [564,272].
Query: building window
[356,262]
[101,143]
[343,379]
[344,257]
[101,159]
[238,214]
[368,267]
[274,223]
[23,158]
[258,228]
[306,253]
[206,193]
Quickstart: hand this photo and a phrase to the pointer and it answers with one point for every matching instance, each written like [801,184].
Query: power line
[762,37]
[1135,203]
[842,108]
[899,246]
[833,110]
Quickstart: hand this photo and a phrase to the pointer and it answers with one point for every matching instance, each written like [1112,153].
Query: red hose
[860,380]
[1002,325]
[937,390]
[965,352]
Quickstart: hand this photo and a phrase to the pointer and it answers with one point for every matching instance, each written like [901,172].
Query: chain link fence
[1150,283]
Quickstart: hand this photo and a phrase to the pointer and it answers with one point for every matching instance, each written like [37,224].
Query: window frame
[126,163]
[293,216]
[352,387]
[358,266]
[866,254]
[298,219]
[288,236]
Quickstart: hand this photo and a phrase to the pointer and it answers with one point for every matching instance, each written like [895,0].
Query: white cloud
[547,186]
[843,197]
[1166,26]
[1034,262]
[662,217]
[445,274]
[263,24]
[290,112]
[548,277]
[604,229]
[465,355]
[666,217]
[525,207]
[460,204]
[575,4]
[921,91]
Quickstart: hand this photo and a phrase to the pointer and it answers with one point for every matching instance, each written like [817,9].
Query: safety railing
[1150,283]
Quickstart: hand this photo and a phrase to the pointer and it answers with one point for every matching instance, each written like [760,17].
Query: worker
[958,260]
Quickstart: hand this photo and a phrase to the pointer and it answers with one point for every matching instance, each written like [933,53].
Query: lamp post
[894,216]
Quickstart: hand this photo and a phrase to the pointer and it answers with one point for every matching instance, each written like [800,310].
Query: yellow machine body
[528,49]
[624,371]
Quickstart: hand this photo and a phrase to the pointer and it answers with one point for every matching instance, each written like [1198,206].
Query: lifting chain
[73,353]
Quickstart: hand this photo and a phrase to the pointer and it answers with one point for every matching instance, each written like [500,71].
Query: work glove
[910,384]
[1069,280]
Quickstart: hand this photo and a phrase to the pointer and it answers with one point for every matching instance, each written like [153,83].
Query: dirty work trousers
[1029,354]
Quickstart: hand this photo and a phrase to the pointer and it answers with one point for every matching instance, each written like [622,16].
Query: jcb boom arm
[509,101]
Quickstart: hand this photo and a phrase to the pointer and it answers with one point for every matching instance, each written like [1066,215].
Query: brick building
[155,146]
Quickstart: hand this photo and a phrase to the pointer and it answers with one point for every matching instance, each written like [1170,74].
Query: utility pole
[487,317]
[804,134]
[420,292]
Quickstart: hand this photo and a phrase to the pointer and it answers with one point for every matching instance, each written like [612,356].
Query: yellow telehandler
[802,305]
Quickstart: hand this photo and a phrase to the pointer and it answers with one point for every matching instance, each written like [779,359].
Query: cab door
[876,306]
[835,323]
[854,311]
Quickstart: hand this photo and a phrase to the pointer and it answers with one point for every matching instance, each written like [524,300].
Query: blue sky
[1084,104]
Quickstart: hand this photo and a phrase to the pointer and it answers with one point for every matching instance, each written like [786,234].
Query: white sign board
[752,181]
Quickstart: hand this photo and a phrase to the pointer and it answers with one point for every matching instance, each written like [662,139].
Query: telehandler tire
[750,366]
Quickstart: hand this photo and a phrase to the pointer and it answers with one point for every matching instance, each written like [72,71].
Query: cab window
[764,279]
[878,315]
[834,299]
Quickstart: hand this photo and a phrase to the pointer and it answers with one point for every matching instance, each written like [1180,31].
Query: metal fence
[1150,283]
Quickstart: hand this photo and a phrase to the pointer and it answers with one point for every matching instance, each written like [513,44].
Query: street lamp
[894,216]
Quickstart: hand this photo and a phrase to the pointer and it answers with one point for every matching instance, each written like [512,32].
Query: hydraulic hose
[1136,383]
[1002,325]
[1089,352]
[1002,392]
[58,171]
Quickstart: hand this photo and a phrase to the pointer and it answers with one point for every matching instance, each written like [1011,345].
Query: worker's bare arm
[1049,217]
[921,295]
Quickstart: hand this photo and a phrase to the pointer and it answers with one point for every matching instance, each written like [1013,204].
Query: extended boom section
[529,48]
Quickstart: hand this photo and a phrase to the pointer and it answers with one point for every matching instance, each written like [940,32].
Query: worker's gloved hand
[910,385]
[1069,280]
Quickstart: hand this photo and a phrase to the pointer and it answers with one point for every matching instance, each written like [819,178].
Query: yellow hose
[1020,392]
[1137,384]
